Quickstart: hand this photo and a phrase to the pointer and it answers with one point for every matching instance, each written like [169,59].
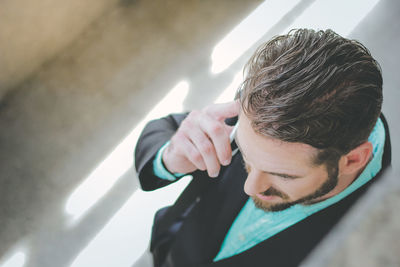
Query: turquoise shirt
[253,225]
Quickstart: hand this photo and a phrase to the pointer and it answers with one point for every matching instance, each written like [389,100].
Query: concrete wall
[33,31]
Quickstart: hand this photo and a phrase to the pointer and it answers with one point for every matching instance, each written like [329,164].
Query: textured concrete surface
[58,125]
[375,240]
[32,32]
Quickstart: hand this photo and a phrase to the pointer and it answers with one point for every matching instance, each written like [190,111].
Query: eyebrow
[283,175]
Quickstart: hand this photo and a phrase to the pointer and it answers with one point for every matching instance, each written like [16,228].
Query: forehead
[272,153]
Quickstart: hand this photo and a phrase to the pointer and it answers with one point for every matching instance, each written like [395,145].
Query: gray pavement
[61,123]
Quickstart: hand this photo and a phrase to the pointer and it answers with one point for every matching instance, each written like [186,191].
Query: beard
[325,188]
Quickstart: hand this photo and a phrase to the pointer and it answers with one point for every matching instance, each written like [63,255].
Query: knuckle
[178,137]
[195,156]
[186,124]
[206,147]
[216,130]
[194,114]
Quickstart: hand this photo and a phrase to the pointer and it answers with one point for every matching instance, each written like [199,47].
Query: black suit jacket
[202,229]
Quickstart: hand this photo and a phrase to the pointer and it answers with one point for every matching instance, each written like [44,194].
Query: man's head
[313,93]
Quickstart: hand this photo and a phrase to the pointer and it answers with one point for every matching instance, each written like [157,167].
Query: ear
[356,159]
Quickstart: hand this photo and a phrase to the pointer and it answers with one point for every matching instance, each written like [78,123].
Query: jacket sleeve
[154,135]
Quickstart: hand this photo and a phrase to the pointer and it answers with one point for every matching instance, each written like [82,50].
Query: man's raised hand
[202,141]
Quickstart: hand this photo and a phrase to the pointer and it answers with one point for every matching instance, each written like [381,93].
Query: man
[310,141]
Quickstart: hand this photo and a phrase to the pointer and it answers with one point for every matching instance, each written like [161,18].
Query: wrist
[159,167]
[165,159]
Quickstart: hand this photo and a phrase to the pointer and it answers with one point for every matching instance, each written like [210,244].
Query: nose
[256,182]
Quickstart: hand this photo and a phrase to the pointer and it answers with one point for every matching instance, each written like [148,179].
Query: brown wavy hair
[313,87]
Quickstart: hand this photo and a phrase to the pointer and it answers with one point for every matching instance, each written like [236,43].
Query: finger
[223,111]
[219,137]
[232,131]
[193,154]
[207,150]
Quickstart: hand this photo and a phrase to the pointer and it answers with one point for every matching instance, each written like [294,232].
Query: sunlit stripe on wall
[249,31]
[17,259]
[126,236]
[97,184]
[229,93]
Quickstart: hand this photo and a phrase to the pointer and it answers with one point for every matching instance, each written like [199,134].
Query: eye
[285,177]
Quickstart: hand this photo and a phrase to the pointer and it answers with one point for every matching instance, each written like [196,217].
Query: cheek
[299,188]
[294,189]
[312,182]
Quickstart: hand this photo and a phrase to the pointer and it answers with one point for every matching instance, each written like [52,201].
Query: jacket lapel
[228,200]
